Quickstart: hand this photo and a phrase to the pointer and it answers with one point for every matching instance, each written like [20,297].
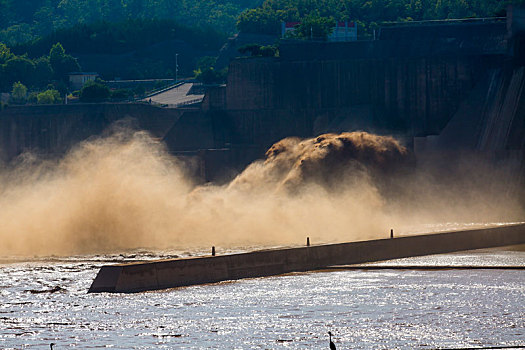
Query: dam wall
[51,130]
[489,127]
[137,277]
[410,82]
[417,95]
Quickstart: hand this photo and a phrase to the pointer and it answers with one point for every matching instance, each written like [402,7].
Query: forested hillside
[139,39]
[132,49]
[131,39]
[122,37]
[266,18]
[48,72]
[26,20]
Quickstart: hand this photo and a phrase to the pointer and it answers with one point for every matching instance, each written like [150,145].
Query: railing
[189,102]
[444,21]
[174,105]
[164,89]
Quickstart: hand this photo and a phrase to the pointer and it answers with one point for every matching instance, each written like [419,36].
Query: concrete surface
[177,96]
[164,274]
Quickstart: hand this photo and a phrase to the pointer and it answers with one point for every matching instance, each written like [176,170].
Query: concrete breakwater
[163,274]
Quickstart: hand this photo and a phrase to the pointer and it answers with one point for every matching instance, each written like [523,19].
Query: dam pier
[172,273]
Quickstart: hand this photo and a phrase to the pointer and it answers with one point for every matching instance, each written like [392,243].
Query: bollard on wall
[307,241]
[212,251]
[391,233]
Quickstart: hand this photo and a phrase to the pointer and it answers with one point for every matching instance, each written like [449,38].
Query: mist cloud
[125,191]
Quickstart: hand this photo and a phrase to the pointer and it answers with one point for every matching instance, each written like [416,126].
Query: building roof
[82,73]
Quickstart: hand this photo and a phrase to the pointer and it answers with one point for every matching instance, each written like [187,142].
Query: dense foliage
[206,72]
[94,91]
[259,50]
[132,49]
[368,14]
[121,37]
[314,27]
[48,97]
[35,73]
[19,92]
[26,20]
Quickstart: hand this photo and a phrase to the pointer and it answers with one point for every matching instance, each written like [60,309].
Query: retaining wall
[54,129]
[164,274]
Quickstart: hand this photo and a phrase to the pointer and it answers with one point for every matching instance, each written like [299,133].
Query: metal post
[307,241]
[212,251]
[391,233]
[176,67]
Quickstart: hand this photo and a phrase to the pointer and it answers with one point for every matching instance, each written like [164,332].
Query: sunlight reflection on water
[46,301]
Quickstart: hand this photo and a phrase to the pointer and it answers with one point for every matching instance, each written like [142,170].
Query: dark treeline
[121,37]
[22,21]
[48,72]
[132,49]
[368,14]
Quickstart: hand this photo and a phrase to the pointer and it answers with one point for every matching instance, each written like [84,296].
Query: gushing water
[125,191]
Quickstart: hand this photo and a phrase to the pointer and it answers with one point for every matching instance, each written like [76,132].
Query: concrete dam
[413,82]
[418,83]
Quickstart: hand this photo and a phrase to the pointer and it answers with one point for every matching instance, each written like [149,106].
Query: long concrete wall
[164,274]
[53,129]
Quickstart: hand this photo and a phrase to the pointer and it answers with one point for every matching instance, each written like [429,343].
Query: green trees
[43,71]
[315,27]
[266,18]
[121,94]
[19,93]
[137,49]
[61,63]
[18,68]
[260,20]
[212,76]
[94,91]
[206,72]
[50,96]
[259,50]
[25,20]
[122,37]
[5,53]
[36,73]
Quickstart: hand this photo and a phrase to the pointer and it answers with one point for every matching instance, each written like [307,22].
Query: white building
[78,79]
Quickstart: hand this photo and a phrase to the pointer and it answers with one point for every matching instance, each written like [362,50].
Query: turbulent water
[45,301]
[124,191]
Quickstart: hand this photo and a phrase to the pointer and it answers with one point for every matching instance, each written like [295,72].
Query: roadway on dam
[178,96]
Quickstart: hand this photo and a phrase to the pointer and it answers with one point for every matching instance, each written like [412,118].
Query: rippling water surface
[44,301]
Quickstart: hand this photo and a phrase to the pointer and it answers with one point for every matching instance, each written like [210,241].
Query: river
[45,300]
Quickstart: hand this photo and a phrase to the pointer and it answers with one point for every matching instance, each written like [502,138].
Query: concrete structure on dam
[162,274]
[53,130]
[413,81]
